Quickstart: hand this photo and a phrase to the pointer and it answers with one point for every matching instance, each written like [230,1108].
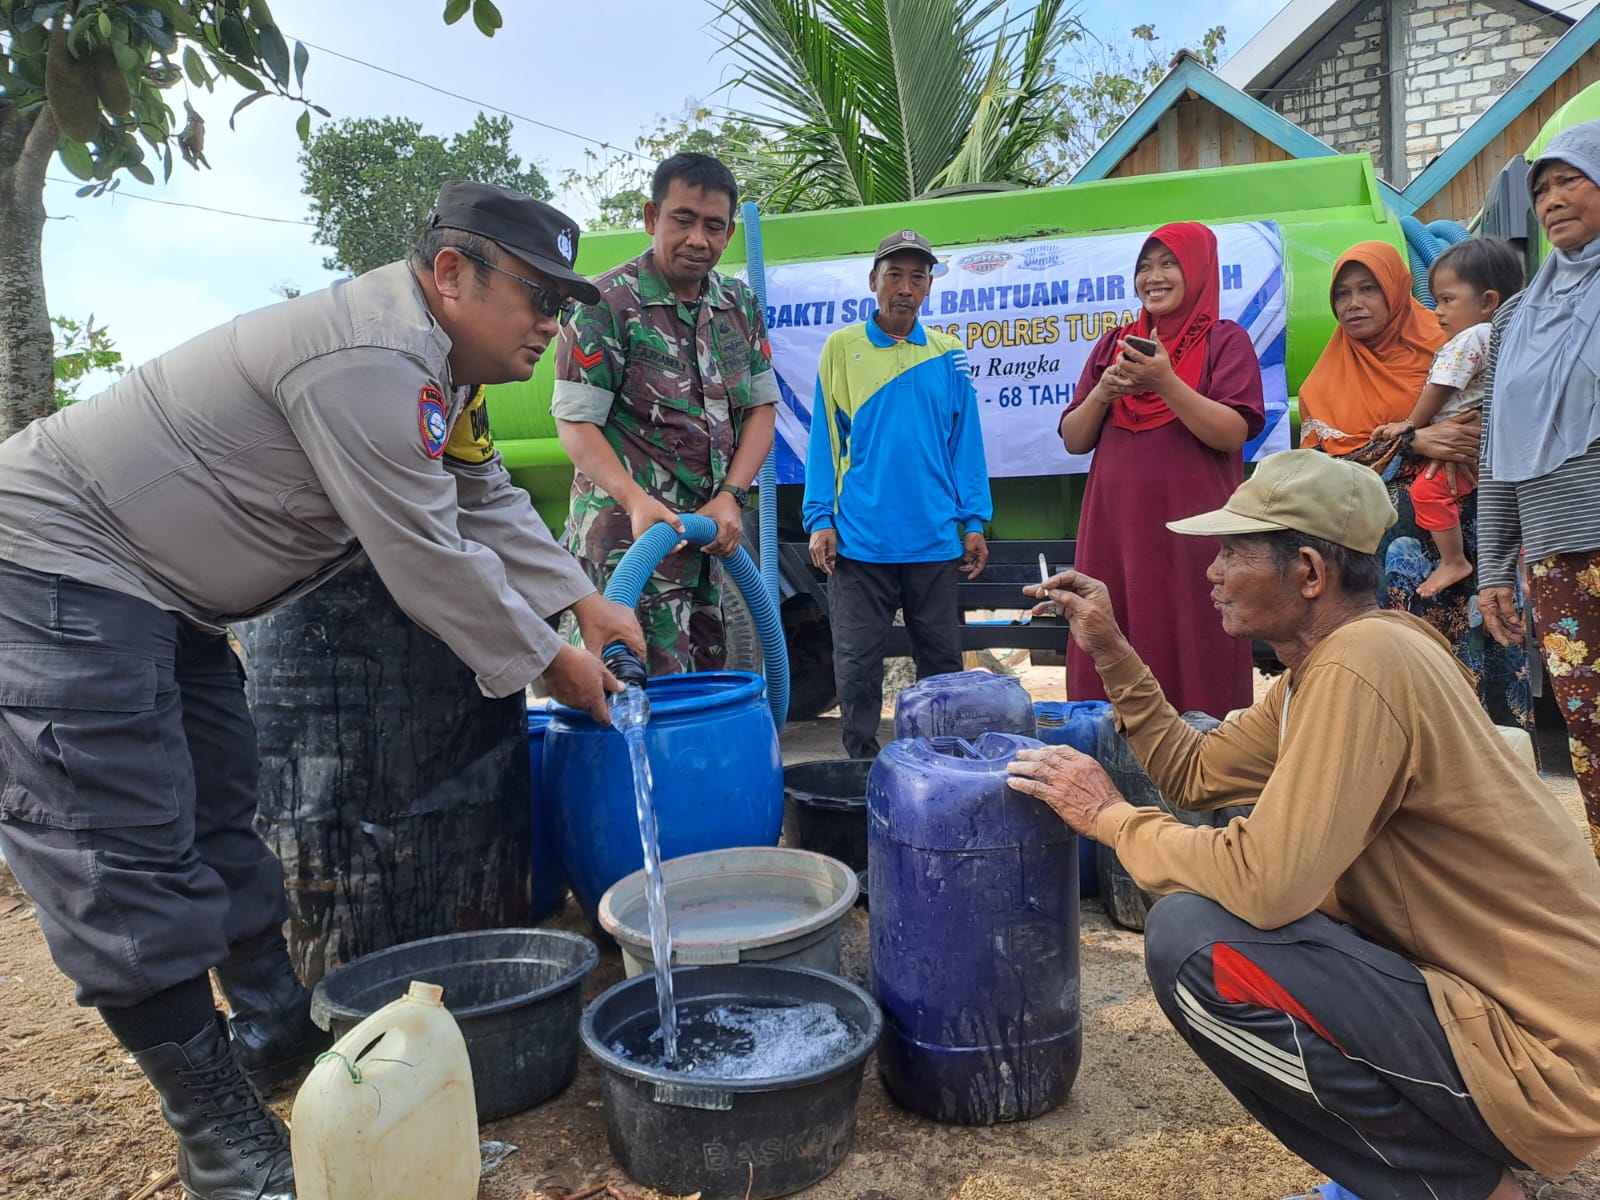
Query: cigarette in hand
[1044,577]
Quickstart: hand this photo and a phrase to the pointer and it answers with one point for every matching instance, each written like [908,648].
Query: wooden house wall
[1463,196]
[1195,133]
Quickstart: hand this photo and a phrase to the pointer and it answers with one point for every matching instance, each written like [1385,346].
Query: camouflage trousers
[680,610]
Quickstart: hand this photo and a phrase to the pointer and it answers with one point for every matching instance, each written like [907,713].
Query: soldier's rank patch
[588,360]
[431,419]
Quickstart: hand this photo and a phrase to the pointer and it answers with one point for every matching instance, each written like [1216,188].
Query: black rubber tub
[1125,902]
[515,993]
[825,808]
[724,1138]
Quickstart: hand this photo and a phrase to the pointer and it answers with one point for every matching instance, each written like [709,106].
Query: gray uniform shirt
[246,466]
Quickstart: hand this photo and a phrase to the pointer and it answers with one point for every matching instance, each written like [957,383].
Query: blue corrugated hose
[628,580]
[1424,243]
[767,523]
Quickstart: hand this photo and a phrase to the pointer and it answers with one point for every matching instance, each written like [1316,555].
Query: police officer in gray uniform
[222,479]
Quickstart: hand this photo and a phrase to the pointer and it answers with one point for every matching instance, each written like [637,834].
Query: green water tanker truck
[1028,279]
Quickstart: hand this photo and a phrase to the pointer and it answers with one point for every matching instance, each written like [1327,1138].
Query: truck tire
[810,645]
[739,634]
[740,637]
[809,637]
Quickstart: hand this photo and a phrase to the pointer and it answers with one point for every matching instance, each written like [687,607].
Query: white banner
[1029,313]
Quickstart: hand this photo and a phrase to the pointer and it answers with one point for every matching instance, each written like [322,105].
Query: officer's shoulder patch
[431,419]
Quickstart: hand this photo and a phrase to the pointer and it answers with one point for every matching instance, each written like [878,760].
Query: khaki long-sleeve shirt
[1386,800]
[246,466]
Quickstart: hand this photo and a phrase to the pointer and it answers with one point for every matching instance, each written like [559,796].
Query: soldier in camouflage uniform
[664,402]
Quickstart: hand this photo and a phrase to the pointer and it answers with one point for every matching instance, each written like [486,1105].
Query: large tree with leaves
[875,101]
[372,181]
[87,80]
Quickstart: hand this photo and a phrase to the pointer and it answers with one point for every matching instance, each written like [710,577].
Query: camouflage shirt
[667,382]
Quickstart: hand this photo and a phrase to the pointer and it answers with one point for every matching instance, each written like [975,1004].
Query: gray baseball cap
[540,234]
[902,241]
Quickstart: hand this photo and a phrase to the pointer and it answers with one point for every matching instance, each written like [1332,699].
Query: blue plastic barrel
[1075,723]
[718,779]
[974,933]
[963,704]
[549,881]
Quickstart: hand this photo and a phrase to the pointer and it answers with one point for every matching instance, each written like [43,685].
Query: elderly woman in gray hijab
[1539,489]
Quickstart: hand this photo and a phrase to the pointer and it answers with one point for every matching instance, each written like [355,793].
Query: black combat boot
[273,1034]
[230,1145]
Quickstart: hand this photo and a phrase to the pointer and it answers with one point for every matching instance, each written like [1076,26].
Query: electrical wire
[226,212]
[302,222]
[309,224]
[505,112]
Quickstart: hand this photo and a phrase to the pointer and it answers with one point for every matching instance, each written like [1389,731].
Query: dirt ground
[1145,1120]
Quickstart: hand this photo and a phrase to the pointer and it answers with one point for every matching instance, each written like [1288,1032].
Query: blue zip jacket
[895,462]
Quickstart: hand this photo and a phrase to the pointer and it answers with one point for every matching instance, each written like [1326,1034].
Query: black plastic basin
[729,1138]
[514,992]
[825,808]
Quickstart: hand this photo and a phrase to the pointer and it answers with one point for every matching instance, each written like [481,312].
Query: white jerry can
[388,1113]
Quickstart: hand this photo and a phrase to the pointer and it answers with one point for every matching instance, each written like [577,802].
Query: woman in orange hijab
[1377,361]
[1371,373]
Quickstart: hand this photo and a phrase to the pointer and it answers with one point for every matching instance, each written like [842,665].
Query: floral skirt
[1564,595]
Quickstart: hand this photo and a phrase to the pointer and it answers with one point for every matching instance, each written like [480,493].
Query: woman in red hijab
[1167,430]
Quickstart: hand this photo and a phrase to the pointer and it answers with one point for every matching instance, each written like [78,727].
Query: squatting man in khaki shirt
[214,483]
[1393,961]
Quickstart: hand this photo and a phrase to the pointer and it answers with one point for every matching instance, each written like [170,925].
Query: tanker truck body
[1028,279]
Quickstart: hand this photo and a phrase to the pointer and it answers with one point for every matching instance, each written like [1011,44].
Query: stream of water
[746,1041]
[630,710]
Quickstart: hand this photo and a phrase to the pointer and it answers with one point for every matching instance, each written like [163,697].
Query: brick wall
[1459,56]
[1337,91]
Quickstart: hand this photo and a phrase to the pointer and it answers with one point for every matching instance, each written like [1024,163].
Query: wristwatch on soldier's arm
[741,496]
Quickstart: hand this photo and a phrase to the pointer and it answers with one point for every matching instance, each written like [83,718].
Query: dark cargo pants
[128,788]
[862,599]
[1331,1042]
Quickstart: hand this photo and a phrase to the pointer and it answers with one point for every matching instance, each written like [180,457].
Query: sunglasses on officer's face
[546,301]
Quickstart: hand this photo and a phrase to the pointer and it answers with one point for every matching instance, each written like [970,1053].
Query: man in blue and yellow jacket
[897,490]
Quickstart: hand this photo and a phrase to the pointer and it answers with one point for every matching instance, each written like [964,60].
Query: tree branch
[36,152]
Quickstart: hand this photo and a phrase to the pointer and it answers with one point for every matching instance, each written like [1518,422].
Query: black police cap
[539,234]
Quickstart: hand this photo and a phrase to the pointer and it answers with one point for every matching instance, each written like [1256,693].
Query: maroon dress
[1137,483]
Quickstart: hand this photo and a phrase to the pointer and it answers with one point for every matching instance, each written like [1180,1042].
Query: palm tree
[877,101]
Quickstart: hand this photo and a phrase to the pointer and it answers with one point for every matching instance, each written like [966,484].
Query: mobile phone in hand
[1143,345]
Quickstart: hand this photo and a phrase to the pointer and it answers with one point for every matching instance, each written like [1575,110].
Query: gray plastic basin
[750,904]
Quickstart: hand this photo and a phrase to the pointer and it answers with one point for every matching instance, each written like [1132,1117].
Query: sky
[156,274]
